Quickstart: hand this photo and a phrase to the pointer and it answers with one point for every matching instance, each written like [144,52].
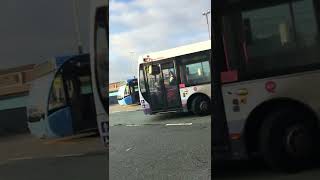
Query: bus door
[80,98]
[155,87]
[170,84]
[134,91]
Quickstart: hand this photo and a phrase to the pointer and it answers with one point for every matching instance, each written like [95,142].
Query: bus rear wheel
[200,106]
[287,141]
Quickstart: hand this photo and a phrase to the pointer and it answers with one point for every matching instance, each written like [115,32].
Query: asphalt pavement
[168,146]
[24,157]
[91,167]
[177,146]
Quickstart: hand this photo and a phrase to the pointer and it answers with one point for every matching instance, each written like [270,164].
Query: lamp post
[133,64]
[76,24]
[206,14]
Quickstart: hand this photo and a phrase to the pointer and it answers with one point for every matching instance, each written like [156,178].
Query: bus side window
[142,80]
[131,89]
[247,30]
[57,97]
[195,68]
[197,73]
[126,91]
[290,35]
[232,41]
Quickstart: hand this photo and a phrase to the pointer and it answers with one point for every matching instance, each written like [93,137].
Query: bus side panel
[242,98]
[144,105]
[187,92]
[60,123]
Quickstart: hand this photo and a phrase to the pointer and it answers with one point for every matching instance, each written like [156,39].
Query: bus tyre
[200,106]
[287,140]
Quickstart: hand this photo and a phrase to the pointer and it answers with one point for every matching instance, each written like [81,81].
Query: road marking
[125,111]
[70,155]
[132,125]
[20,158]
[180,124]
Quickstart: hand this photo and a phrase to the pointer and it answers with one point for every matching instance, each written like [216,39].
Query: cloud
[143,26]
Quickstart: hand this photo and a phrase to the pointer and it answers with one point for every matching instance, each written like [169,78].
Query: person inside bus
[172,79]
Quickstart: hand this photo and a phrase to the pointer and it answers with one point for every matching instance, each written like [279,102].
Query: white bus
[99,41]
[269,106]
[176,79]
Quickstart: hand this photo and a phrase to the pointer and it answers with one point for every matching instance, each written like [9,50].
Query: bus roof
[177,51]
[133,80]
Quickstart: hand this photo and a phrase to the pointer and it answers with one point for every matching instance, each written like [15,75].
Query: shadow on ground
[243,170]
[239,169]
[174,115]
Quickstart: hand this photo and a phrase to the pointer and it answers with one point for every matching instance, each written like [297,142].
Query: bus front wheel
[200,106]
[287,140]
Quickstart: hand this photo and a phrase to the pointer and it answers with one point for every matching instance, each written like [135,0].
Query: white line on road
[20,158]
[130,125]
[180,124]
[70,155]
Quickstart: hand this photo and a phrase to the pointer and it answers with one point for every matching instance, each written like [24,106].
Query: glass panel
[171,85]
[197,73]
[57,97]
[70,88]
[141,80]
[195,69]
[86,87]
[126,91]
[136,89]
[277,37]
[156,91]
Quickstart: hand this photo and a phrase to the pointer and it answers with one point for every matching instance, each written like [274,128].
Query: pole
[76,24]
[133,64]
[208,26]
[206,14]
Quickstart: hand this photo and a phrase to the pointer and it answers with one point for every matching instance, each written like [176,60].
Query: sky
[138,27]
[34,30]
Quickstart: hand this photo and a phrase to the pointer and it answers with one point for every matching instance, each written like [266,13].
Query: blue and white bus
[129,92]
[60,99]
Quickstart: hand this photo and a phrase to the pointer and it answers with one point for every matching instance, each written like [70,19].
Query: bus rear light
[182,85]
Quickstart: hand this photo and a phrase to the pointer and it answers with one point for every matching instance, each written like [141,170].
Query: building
[14,89]
[113,89]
